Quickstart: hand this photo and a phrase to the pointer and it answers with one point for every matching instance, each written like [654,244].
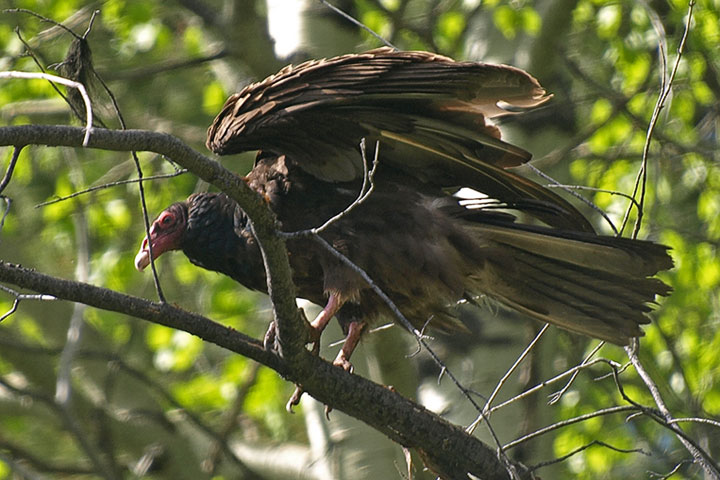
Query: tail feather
[607,254]
[598,286]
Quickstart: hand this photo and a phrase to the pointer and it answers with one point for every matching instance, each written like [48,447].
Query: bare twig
[11,167]
[67,83]
[664,417]
[22,296]
[18,297]
[708,421]
[501,382]
[418,335]
[672,472]
[136,160]
[619,105]
[550,381]
[574,194]
[368,186]
[8,202]
[357,23]
[555,397]
[43,18]
[3,184]
[585,447]
[666,89]
[595,189]
[570,421]
[110,185]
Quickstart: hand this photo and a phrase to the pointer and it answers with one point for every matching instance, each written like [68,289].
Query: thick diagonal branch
[447,447]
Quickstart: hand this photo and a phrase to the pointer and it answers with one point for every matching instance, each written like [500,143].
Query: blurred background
[91,394]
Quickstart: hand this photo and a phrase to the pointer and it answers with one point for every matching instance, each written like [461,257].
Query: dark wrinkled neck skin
[218,237]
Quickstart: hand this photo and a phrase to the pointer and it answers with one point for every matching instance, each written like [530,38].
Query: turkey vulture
[422,245]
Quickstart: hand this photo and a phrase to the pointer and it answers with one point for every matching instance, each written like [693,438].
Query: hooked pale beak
[142,259]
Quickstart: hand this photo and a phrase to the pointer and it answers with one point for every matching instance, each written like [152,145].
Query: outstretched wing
[429,113]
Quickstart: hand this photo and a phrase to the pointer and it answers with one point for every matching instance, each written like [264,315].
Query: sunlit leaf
[213,98]
[608,20]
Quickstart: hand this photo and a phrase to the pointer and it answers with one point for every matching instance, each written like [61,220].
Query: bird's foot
[314,338]
[343,362]
[354,332]
[270,338]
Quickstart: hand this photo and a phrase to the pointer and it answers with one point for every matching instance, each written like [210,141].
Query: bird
[430,119]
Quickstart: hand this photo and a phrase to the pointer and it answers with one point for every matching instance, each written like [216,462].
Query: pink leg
[333,305]
[323,318]
[316,328]
[352,339]
[355,330]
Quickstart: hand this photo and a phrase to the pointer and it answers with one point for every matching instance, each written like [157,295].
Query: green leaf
[506,20]
[608,20]
[201,392]
[530,20]
[213,98]
[450,25]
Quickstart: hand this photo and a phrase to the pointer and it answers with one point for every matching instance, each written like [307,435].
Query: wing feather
[430,113]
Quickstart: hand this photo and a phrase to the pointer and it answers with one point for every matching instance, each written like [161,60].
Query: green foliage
[511,20]
[450,27]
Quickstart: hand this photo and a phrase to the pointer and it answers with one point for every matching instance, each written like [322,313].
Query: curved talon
[314,332]
[294,399]
[315,350]
[269,338]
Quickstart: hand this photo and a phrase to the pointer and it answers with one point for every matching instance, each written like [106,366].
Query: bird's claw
[312,335]
[340,361]
[294,400]
[269,340]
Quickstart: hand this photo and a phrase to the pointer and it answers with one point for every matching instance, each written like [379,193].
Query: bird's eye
[166,220]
